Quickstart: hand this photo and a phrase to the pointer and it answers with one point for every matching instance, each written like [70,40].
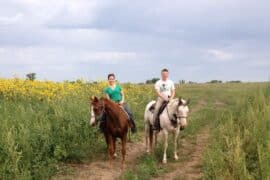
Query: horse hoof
[164,161]
[176,158]
[115,155]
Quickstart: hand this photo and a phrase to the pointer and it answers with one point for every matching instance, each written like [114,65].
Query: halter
[102,112]
[178,117]
[181,117]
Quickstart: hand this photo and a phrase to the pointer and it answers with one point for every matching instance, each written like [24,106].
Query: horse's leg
[114,148]
[155,138]
[124,140]
[110,152]
[151,136]
[146,134]
[175,137]
[108,145]
[165,133]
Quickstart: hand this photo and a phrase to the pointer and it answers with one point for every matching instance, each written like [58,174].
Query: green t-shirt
[114,94]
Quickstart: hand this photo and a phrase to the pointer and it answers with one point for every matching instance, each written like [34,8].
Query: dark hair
[164,70]
[111,74]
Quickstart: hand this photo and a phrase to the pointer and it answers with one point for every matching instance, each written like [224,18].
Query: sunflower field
[44,123]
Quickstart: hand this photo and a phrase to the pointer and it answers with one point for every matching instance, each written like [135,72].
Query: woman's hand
[121,103]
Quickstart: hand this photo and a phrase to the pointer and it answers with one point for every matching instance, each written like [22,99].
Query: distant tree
[182,82]
[191,82]
[237,81]
[31,76]
[215,81]
[152,81]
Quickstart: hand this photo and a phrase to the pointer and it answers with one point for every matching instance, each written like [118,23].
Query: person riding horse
[115,93]
[165,90]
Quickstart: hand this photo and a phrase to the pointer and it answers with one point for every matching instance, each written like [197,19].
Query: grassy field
[240,142]
[44,124]
[237,116]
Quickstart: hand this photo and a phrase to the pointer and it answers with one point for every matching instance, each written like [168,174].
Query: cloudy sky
[197,40]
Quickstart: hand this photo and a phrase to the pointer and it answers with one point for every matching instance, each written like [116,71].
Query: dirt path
[100,170]
[198,106]
[190,165]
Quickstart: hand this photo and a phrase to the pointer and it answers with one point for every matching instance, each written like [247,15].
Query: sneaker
[133,127]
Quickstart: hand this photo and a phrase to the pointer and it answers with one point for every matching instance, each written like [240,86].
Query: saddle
[161,109]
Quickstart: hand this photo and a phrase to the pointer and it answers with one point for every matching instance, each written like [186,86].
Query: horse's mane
[115,111]
[110,103]
[173,103]
[172,106]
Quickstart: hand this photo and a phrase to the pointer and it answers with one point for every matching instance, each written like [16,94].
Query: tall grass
[36,134]
[240,143]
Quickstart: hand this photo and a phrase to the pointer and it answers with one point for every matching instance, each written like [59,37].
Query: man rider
[165,90]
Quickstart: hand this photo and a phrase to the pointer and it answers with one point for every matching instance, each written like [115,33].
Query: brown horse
[115,126]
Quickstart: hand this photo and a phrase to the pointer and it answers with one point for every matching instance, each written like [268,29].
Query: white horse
[176,109]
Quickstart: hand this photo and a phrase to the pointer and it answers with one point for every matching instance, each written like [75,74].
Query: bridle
[102,112]
[175,115]
[181,117]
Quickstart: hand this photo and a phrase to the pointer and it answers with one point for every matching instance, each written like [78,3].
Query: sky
[197,40]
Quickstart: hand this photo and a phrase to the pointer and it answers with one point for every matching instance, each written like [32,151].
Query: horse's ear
[91,98]
[180,102]
[94,98]
[188,101]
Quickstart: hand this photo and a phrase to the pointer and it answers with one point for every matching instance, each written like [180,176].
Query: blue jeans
[127,109]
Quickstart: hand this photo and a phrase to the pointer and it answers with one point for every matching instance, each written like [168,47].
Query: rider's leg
[156,111]
[131,118]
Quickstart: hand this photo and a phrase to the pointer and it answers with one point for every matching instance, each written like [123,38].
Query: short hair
[111,74]
[165,70]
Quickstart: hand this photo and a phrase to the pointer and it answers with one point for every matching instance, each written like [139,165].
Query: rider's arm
[107,96]
[172,93]
[123,97]
[106,93]
[161,96]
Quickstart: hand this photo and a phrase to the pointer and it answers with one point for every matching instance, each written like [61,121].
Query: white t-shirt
[165,87]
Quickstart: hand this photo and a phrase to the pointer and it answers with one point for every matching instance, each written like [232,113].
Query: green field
[37,136]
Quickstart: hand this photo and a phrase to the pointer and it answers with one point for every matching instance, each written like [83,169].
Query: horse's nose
[92,122]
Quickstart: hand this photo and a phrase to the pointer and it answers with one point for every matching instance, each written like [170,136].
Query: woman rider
[114,92]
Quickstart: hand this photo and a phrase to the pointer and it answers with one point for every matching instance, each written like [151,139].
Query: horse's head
[97,109]
[183,111]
